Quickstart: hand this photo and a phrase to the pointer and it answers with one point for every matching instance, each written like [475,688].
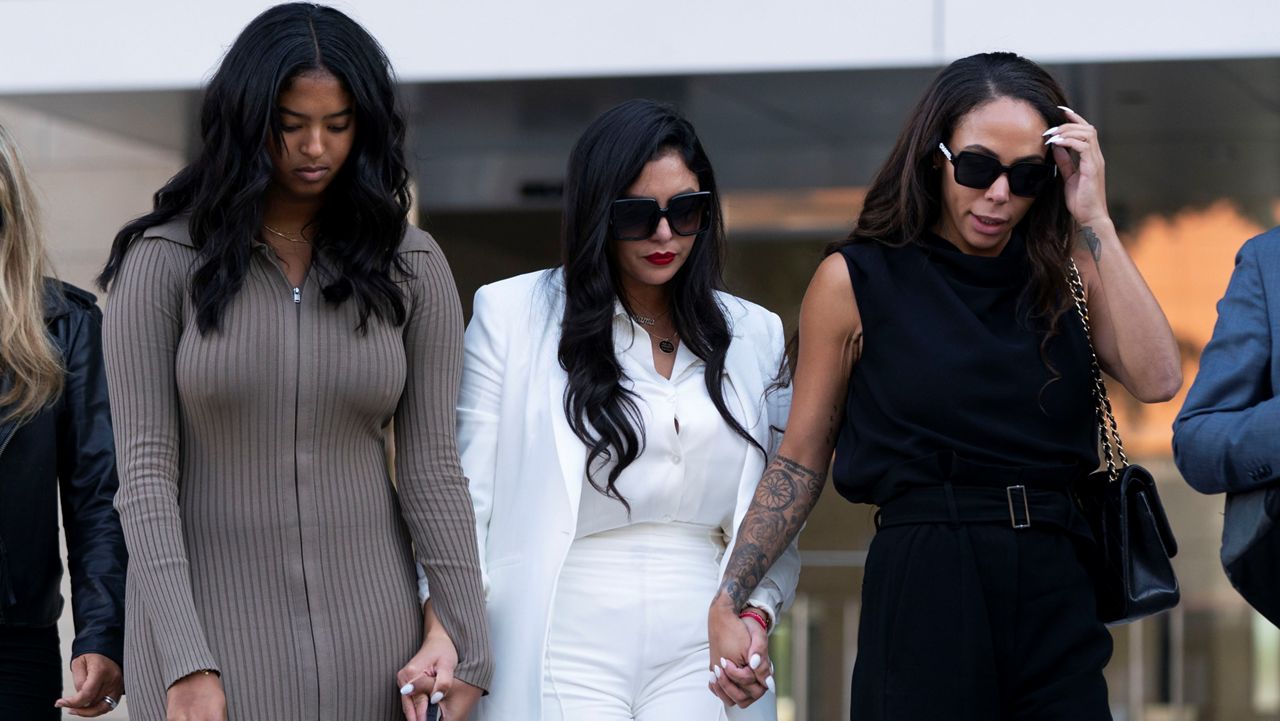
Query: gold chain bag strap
[1132,574]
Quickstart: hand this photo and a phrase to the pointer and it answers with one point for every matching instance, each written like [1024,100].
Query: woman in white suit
[614,418]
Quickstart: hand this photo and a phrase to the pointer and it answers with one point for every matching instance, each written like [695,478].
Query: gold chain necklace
[299,239]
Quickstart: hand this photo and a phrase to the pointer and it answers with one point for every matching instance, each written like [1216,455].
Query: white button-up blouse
[689,467]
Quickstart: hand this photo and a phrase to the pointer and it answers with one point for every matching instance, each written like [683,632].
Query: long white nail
[406,689]
[1063,107]
[768,682]
[754,662]
[712,677]
[724,662]
[1051,131]
[717,671]
[1055,140]
[437,697]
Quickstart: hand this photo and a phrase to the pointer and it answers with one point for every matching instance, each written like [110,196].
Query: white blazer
[526,468]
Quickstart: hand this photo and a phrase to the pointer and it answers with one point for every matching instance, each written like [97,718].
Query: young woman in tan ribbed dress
[266,323]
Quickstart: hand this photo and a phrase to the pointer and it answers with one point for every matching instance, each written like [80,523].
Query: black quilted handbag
[1132,574]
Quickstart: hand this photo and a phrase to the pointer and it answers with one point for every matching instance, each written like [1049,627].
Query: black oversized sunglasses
[637,218]
[975,170]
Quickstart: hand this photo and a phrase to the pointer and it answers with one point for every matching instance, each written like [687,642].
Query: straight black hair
[607,160]
[364,216]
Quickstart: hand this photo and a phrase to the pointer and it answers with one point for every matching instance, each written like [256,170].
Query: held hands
[1079,159]
[197,697]
[428,677]
[741,671]
[96,678]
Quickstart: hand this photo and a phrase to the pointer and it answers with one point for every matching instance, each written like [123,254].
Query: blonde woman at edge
[55,445]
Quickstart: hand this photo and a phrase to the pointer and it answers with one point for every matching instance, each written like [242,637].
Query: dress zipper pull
[297,295]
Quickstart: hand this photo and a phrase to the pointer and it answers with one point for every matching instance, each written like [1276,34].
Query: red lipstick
[660,258]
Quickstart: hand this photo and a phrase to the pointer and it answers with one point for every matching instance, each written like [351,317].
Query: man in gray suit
[1227,437]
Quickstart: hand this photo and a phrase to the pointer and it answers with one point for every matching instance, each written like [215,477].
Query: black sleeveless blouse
[952,368]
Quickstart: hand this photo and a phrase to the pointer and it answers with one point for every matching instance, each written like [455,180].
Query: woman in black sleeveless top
[967,409]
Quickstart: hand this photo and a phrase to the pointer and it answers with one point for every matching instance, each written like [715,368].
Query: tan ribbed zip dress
[266,539]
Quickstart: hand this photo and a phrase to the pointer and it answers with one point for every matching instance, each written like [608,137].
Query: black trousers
[978,621]
[30,673]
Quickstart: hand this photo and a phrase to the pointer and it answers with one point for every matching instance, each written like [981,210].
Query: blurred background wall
[797,104]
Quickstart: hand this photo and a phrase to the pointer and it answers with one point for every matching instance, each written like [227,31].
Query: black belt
[1016,505]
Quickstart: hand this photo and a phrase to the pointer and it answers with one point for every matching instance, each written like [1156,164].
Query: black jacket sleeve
[87,484]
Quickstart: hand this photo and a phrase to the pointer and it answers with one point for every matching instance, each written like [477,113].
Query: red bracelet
[760,619]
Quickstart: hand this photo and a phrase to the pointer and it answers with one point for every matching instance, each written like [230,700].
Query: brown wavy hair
[905,198]
[27,353]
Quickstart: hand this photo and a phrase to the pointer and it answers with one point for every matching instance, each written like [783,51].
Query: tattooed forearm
[783,500]
[1092,242]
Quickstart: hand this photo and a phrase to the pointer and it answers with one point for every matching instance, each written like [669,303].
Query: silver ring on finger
[110,702]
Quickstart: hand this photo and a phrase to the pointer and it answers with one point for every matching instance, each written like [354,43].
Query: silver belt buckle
[1026,509]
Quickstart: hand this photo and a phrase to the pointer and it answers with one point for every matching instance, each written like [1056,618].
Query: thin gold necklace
[299,239]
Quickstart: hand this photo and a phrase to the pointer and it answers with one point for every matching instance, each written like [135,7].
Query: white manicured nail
[724,662]
[406,689]
[712,677]
[1051,131]
[718,672]
[768,682]
[1063,107]
[1055,140]
[437,697]
[754,663]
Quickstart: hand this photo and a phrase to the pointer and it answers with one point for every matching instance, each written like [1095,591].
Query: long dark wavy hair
[363,218]
[905,198]
[607,160]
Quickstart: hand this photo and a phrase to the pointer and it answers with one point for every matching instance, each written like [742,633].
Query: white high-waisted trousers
[628,637]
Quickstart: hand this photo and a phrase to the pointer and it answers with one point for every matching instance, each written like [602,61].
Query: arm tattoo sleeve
[1092,242]
[783,500]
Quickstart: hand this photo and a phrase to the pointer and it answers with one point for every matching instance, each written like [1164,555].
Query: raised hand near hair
[1079,159]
